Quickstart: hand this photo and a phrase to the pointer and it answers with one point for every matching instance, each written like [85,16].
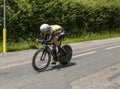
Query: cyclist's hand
[37,40]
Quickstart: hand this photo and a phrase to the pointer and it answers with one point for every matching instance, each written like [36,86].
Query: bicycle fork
[42,58]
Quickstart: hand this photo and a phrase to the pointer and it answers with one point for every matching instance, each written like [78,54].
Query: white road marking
[84,54]
[112,47]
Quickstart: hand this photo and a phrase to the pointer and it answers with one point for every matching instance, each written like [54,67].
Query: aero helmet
[44,27]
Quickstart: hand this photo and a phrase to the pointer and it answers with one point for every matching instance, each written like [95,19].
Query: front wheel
[41,60]
[66,59]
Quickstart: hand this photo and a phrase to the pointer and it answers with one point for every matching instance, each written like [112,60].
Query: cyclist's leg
[60,37]
[54,49]
[56,41]
[55,53]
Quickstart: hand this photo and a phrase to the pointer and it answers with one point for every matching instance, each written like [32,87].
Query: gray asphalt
[93,56]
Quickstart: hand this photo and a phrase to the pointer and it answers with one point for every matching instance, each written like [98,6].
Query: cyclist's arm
[50,37]
[44,37]
[47,38]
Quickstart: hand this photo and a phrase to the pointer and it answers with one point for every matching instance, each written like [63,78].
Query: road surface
[95,65]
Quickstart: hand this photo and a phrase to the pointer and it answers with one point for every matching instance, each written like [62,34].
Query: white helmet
[44,27]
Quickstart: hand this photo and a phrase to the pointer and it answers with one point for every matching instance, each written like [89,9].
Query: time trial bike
[42,57]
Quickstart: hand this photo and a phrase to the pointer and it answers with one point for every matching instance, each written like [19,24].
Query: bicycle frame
[47,47]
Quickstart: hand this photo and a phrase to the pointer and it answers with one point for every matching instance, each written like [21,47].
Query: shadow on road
[62,66]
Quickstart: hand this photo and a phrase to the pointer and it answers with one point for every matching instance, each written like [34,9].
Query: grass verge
[89,37]
[32,45]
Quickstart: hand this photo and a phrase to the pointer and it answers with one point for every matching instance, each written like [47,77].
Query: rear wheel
[41,60]
[66,59]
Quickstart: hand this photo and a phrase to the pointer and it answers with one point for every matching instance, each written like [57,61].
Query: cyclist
[52,33]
